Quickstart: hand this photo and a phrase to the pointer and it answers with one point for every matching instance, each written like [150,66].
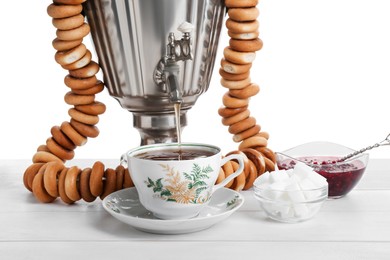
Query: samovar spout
[167,71]
[174,90]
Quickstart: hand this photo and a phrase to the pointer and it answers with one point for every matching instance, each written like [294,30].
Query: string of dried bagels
[48,178]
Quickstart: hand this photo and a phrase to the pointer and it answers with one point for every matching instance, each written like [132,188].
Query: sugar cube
[302,170]
[300,210]
[317,179]
[262,179]
[277,176]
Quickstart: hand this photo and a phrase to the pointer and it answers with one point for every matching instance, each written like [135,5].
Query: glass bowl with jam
[325,159]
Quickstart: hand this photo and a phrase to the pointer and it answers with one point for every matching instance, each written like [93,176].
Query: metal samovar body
[154,53]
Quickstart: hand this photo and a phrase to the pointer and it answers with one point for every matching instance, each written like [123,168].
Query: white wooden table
[354,227]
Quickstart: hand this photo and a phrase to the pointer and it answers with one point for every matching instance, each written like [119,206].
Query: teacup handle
[240,160]
[123,160]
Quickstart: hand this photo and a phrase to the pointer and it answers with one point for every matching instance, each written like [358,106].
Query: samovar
[155,53]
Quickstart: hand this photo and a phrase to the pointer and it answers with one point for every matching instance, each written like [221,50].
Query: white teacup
[177,189]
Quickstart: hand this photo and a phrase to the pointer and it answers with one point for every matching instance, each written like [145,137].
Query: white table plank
[243,226]
[205,250]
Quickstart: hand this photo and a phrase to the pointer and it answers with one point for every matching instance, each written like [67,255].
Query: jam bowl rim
[363,156]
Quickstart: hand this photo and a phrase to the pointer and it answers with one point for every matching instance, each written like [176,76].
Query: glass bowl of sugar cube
[292,195]
[326,159]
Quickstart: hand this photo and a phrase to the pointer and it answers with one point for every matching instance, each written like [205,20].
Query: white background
[324,73]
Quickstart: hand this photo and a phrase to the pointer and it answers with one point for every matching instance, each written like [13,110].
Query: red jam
[341,176]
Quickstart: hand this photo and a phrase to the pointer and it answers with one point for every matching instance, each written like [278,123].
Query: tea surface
[175,155]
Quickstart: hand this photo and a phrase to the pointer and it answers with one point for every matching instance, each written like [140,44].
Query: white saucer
[125,206]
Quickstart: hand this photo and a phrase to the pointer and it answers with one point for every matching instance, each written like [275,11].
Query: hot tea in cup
[176,182]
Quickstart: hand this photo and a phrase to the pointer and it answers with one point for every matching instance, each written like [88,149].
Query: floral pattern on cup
[189,190]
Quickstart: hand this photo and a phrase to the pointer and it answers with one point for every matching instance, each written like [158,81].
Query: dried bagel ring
[228,112]
[246,45]
[71,183]
[61,45]
[231,76]
[45,157]
[62,11]
[251,176]
[242,27]
[80,83]
[244,36]
[238,57]
[99,86]
[233,102]
[96,179]
[84,129]
[85,191]
[243,14]
[109,182]
[235,84]
[58,150]
[38,188]
[269,165]
[61,138]
[50,177]
[72,134]
[257,158]
[88,71]
[263,134]
[83,118]
[236,118]
[253,141]
[70,56]
[241,3]
[242,125]
[30,173]
[68,23]
[75,99]
[247,133]
[94,109]
[69,2]
[61,187]
[81,63]
[234,68]
[74,34]
[120,174]
[43,148]
[247,92]
[267,152]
